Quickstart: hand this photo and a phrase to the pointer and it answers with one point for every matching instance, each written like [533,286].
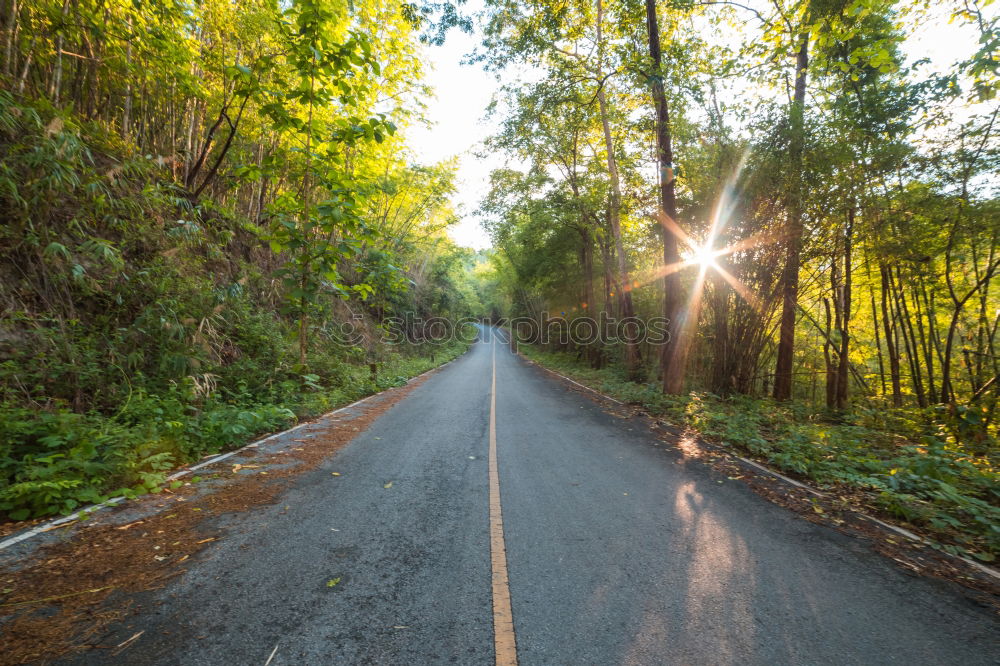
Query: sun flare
[704,256]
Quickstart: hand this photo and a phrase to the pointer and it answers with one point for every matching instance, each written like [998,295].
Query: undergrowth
[53,462]
[141,329]
[907,462]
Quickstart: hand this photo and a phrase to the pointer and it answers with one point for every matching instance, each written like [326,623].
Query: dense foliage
[209,215]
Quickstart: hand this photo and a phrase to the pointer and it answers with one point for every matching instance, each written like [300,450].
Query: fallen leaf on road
[332,582]
[267,663]
[334,473]
[388,485]
[126,642]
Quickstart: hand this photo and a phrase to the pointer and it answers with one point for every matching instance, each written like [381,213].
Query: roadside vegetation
[807,201]
[901,464]
[210,215]
[212,221]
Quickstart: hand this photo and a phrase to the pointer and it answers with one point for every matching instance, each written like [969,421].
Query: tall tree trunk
[875,326]
[932,327]
[673,355]
[624,286]
[892,349]
[127,110]
[607,263]
[831,371]
[723,379]
[27,65]
[909,340]
[56,87]
[845,312]
[790,273]
[878,342]
[831,348]
[925,345]
[8,61]
[983,327]
[587,295]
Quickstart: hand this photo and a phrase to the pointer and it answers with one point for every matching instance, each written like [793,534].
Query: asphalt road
[617,554]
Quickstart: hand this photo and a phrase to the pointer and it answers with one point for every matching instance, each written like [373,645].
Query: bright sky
[463,92]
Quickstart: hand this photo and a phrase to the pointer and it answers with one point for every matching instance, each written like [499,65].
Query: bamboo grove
[199,198]
[844,192]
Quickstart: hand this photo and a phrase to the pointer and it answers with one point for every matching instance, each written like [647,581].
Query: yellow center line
[503,619]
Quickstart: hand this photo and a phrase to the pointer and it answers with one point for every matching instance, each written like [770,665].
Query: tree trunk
[790,273]
[27,65]
[878,343]
[632,368]
[8,62]
[909,340]
[587,295]
[673,355]
[831,372]
[723,379]
[609,280]
[891,347]
[925,346]
[127,110]
[845,313]
[56,87]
